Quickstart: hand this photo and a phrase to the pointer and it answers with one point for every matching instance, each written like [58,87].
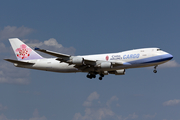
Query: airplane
[102,64]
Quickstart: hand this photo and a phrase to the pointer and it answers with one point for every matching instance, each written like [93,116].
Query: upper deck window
[159,50]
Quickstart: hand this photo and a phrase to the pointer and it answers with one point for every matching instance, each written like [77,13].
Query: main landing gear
[101,76]
[155,71]
[93,75]
[90,76]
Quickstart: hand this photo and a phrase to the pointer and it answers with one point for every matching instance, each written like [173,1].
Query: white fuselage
[130,59]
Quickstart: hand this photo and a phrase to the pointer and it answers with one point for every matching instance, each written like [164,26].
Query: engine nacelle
[77,60]
[118,72]
[106,65]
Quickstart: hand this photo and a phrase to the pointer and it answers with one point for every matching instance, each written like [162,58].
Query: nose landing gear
[155,71]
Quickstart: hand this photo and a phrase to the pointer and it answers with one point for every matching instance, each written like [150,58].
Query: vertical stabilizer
[22,51]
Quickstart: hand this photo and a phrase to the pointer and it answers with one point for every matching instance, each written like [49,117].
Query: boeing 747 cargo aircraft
[102,64]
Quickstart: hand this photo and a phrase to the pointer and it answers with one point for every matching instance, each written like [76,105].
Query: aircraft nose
[169,56]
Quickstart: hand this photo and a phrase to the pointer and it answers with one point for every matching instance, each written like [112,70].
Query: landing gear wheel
[155,71]
[100,78]
[89,76]
[102,75]
[94,76]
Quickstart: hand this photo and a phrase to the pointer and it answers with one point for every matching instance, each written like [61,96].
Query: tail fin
[22,51]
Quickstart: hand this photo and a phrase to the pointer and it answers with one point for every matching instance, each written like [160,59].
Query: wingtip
[36,48]
[5,59]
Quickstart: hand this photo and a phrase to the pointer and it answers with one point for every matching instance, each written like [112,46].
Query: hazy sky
[90,27]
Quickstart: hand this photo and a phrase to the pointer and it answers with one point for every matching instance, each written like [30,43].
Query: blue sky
[90,27]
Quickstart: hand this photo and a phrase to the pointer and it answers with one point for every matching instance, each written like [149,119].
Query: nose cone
[169,56]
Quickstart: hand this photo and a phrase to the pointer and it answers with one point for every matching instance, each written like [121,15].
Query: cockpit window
[159,50]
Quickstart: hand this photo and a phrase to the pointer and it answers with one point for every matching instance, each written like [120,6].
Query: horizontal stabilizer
[19,62]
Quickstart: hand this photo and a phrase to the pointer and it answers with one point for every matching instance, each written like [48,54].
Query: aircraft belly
[64,68]
[54,67]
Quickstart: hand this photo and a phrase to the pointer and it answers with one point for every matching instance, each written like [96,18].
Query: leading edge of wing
[60,55]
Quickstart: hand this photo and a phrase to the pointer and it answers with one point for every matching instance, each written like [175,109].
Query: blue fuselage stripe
[155,59]
[160,60]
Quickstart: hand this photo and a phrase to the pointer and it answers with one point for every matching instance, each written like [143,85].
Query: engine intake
[106,65]
[77,60]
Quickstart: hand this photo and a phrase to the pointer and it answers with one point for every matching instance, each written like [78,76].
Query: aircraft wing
[65,58]
[59,55]
[80,62]
[19,62]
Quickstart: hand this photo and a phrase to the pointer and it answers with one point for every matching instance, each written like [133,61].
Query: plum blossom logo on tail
[23,51]
[107,57]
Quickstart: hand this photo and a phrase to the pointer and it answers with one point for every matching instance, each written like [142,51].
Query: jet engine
[106,65]
[118,72]
[77,60]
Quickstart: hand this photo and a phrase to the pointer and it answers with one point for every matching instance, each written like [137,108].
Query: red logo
[107,57]
[23,51]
